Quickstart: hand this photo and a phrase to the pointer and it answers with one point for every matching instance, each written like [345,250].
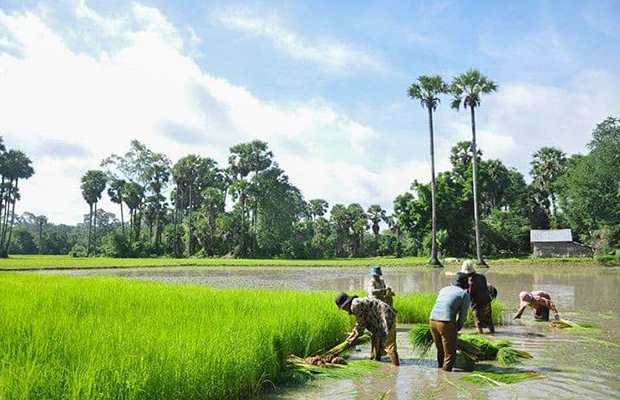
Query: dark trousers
[444,335]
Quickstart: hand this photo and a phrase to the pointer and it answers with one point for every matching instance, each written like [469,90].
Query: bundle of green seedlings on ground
[473,348]
[499,378]
[564,323]
[344,346]
[422,340]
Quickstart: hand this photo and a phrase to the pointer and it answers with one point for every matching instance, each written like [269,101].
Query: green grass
[20,262]
[109,338]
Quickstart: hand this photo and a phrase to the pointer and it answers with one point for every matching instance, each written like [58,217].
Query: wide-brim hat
[468,267]
[461,280]
[376,271]
[343,299]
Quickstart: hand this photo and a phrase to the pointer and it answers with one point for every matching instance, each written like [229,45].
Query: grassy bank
[107,338]
[25,262]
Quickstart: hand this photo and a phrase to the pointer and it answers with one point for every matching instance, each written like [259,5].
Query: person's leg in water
[390,346]
[438,342]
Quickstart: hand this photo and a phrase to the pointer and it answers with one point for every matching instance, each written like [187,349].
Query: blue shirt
[452,300]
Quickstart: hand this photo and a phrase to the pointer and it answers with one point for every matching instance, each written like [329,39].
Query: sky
[323,82]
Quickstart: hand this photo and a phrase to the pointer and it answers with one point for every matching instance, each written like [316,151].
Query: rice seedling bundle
[473,348]
[492,378]
[564,323]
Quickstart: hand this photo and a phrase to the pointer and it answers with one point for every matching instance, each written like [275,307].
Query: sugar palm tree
[548,164]
[426,90]
[468,89]
[93,184]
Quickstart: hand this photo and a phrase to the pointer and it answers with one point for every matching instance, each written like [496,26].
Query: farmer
[376,316]
[541,304]
[452,301]
[377,287]
[480,297]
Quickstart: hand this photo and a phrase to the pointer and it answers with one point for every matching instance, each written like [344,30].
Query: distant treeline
[249,208]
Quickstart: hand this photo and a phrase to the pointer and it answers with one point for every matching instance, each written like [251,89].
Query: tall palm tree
[93,185]
[426,90]
[468,89]
[318,208]
[376,214]
[548,164]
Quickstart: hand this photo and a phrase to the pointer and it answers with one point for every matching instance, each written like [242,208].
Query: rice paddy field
[26,262]
[107,338]
[224,332]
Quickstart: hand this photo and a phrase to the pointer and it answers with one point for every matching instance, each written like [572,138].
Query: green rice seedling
[510,356]
[487,348]
[490,378]
[421,338]
[415,308]
[109,338]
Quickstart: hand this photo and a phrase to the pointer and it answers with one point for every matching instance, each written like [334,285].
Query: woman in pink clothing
[541,304]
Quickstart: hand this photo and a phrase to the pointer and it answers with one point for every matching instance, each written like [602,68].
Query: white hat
[467,267]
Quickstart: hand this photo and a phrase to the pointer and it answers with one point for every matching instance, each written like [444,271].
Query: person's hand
[557,317]
[516,317]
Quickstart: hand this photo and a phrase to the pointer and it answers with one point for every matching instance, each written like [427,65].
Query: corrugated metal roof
[551,235]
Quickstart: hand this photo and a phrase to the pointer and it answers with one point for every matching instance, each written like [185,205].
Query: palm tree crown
[468,87]
[426,89]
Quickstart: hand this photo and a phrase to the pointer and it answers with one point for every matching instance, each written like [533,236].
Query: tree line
[249,208]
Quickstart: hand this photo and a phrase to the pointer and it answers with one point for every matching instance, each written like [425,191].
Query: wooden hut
[554,243]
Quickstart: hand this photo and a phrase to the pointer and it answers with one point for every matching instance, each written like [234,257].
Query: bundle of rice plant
[510,356]
[421,338]
[344,346]
[487,348]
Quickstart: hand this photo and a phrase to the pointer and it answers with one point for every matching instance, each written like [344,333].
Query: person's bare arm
[520,312]
[553,309]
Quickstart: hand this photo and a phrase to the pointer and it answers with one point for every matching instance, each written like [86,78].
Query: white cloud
[520,118]
[89,105]
[331,54]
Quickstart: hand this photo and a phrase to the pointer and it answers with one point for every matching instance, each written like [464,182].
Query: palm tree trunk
[95,227]
[479,259]
[120,197]
[434,261]
[8,242]
[90,226]
[189,223]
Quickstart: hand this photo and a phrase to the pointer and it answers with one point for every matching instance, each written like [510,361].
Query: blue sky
[323,82]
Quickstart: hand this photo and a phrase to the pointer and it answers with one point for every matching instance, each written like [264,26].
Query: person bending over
[376,316]
[452,302]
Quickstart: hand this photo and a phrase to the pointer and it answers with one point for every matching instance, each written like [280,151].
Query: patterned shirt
[374,289]
[372,314]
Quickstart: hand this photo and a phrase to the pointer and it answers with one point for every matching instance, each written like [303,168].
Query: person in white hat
[480,297]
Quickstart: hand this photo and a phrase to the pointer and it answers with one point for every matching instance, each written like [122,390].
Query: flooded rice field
[575,364]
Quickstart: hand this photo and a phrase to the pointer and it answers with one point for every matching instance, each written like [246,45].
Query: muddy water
[575,365]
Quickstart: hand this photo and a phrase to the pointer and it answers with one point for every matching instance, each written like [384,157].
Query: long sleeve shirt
[377,289]
[478,291]
[452,301]
[372,314]
[540,299]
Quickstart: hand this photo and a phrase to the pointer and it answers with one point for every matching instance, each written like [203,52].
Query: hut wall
[561,249]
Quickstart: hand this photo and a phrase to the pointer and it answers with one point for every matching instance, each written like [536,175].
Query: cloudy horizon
[324,84]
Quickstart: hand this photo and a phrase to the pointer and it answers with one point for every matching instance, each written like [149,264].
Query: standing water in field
[576,364]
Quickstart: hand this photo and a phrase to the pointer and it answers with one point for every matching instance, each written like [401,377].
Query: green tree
[14,165]
[93,185]
[41,221]
[468,89]
[426,90]
[317,208]
[115,192]
[548,165]
[376,215]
